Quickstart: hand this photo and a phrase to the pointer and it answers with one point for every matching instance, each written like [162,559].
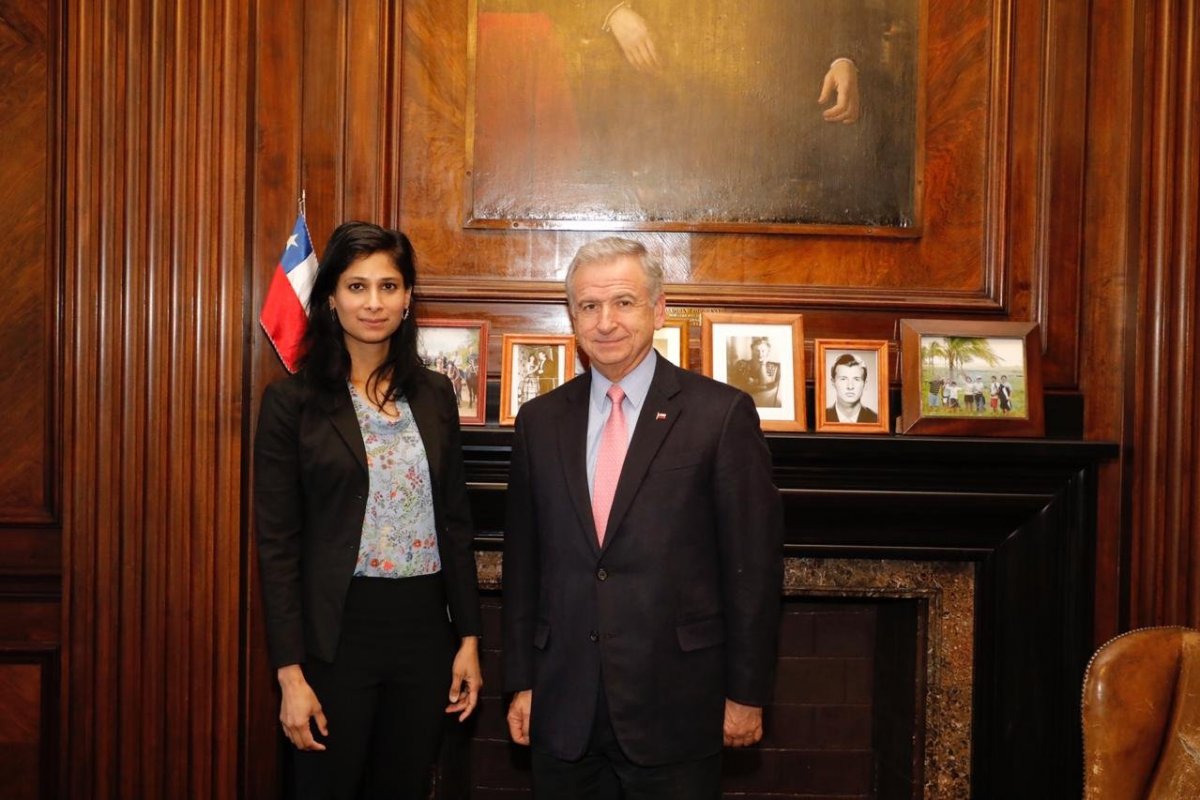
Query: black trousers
[604,772]
[384,694]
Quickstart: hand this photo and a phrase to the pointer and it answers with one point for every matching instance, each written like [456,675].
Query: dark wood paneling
[28,122]
[30,498]
[28,721]
[1165,534]
[1109,295]
[156,175]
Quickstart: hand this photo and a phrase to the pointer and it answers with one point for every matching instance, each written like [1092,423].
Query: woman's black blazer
[310,498]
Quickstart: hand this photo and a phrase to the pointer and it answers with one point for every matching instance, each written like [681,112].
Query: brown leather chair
[1141,717]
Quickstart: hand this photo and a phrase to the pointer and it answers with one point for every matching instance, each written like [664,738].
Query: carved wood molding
[157,115]
[1165,532]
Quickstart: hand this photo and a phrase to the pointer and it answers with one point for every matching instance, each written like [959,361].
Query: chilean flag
[284,313]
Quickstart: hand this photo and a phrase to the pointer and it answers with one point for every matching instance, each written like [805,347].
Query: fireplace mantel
[1021,511]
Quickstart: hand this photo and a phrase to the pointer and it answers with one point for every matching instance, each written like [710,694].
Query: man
[642,557]
[547,370]
[1005,395]
[757,376]
[849,376]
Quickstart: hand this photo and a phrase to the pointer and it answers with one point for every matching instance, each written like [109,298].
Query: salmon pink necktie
[613,444]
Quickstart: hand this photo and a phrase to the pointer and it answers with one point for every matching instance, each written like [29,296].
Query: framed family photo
[671,342]
[851,385]
[533,365]
[457,348]
[971,378]
[763,355]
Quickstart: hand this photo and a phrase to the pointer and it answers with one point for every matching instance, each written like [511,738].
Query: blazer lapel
[425,414]
[659,414]
[572,444]
[345,421]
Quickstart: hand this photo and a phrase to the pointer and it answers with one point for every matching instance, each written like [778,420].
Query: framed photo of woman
[533,365]
[763,355]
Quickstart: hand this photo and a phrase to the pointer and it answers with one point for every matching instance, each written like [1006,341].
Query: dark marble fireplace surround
[988,545]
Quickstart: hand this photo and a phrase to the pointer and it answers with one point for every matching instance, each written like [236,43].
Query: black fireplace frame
[1022,510]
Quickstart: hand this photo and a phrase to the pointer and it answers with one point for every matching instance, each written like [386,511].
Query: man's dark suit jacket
[310,498]
[864,414]
[680,608]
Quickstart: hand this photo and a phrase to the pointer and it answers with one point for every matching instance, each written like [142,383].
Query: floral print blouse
[399,534]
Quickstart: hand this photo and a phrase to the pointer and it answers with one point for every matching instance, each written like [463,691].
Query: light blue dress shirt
[636,386]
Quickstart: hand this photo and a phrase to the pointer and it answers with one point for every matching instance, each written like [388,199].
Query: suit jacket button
[601,574]
[594,636]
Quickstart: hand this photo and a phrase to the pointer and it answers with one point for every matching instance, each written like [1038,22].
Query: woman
[364,534]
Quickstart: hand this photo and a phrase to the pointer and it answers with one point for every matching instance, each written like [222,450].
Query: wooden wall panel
[28,722]
[28,193]
[30,516]
[156,174]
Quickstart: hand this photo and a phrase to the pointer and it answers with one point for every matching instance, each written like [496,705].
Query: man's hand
[518,716]
[629,29]
[299,705]
[841,80]
[465,671]
[743,724]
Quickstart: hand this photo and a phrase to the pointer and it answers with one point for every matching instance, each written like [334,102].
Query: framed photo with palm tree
[970,378]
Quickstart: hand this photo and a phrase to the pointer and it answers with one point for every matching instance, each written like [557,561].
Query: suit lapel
[659,414]
[345,421]
[572,444]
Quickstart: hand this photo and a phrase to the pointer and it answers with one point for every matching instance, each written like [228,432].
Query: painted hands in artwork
[839,86]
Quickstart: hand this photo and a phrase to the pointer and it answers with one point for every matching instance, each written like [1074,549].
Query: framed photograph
[763,355]
[704,142]
[971,378]
[533,365]
[671,342]
[457,348]
[851,385]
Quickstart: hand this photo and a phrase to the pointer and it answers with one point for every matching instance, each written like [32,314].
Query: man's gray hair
[609,249]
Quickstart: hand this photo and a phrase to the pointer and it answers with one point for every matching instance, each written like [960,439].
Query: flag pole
[300,203]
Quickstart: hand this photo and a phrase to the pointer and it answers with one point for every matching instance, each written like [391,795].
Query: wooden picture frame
[458,349]
[762,354]
[968,378]
[841,391]
[671,341]
[532,365]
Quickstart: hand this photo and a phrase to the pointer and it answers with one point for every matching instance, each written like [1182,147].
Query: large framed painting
[765,115]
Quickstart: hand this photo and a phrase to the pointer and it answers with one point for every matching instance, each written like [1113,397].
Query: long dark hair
[326,359]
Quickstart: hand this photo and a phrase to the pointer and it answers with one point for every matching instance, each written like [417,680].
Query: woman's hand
[463,698]
[299,705]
